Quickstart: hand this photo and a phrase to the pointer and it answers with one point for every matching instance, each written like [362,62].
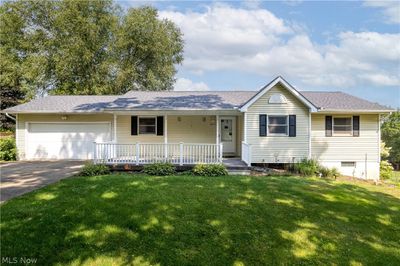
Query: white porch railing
[146,153]
[246,153]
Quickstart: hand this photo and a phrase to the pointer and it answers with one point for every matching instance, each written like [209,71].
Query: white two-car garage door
[64,140]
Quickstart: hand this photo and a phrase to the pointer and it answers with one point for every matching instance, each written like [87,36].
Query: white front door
[228,134]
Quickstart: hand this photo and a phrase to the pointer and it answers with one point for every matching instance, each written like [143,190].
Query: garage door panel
[65,140]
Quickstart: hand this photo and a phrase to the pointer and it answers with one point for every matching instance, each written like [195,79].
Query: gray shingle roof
[64,104]
[340,101]
[181,100]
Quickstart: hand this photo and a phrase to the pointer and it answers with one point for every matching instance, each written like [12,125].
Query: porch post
[217,124]
[115,129]
[114,148]
[217,136]
[166,137]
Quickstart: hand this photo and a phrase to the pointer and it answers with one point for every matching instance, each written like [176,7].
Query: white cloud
[183,84]
[257,41]
[391,9]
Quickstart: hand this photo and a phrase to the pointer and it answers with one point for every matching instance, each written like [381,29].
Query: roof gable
[287,86]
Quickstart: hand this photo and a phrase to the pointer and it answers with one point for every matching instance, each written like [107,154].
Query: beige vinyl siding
[281,149]
[22,119]
[124,132]
[191,129]
[346,148]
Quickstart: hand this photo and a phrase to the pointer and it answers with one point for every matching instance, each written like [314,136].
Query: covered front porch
[181,138]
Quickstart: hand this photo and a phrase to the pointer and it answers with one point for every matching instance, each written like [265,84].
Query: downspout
[11,117]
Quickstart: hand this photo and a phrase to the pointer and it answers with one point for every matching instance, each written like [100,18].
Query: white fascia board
[335,111]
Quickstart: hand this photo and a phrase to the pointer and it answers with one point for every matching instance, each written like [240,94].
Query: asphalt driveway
[18,178]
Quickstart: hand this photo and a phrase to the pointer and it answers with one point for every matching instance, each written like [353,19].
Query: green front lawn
[185,220]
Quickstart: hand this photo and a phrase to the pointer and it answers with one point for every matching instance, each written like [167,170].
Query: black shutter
[263,125]
[160,125]
[356,126]
[328,126]
[292,125]
[134,125]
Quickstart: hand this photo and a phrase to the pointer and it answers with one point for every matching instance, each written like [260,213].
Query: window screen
[342,126]
[278,125]
[147,125]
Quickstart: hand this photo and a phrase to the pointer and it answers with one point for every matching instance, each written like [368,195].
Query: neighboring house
[277,124]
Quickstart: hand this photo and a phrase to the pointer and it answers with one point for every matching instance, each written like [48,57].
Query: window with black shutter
[278,125]
[147,125]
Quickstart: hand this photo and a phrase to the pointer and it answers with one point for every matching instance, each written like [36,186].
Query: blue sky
[350,46]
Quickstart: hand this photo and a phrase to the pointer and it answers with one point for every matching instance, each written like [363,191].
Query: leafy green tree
[88,47]
[11,88]
[146,51]
[385,151]
[391,136]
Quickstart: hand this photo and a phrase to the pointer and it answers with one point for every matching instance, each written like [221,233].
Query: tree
[146,51]
[391,136]
[89,47]
[11,91]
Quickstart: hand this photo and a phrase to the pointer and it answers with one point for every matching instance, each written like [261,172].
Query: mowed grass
[185,220]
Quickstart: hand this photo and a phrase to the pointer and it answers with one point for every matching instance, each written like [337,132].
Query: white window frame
[155,125]
[345,134]
[278,134]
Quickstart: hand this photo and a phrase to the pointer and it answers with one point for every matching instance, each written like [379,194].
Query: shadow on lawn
[188,220]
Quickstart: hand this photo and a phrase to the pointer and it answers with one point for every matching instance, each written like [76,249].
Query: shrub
[324,171]
[8,149]
[335,172]
[91,169]
[210,170]
[328,172]
[160,169]
[386,170]
[307,167]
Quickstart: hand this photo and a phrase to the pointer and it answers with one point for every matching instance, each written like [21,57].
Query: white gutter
[335,111]
[11,117]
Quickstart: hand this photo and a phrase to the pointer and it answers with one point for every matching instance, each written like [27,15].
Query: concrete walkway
[18,178]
